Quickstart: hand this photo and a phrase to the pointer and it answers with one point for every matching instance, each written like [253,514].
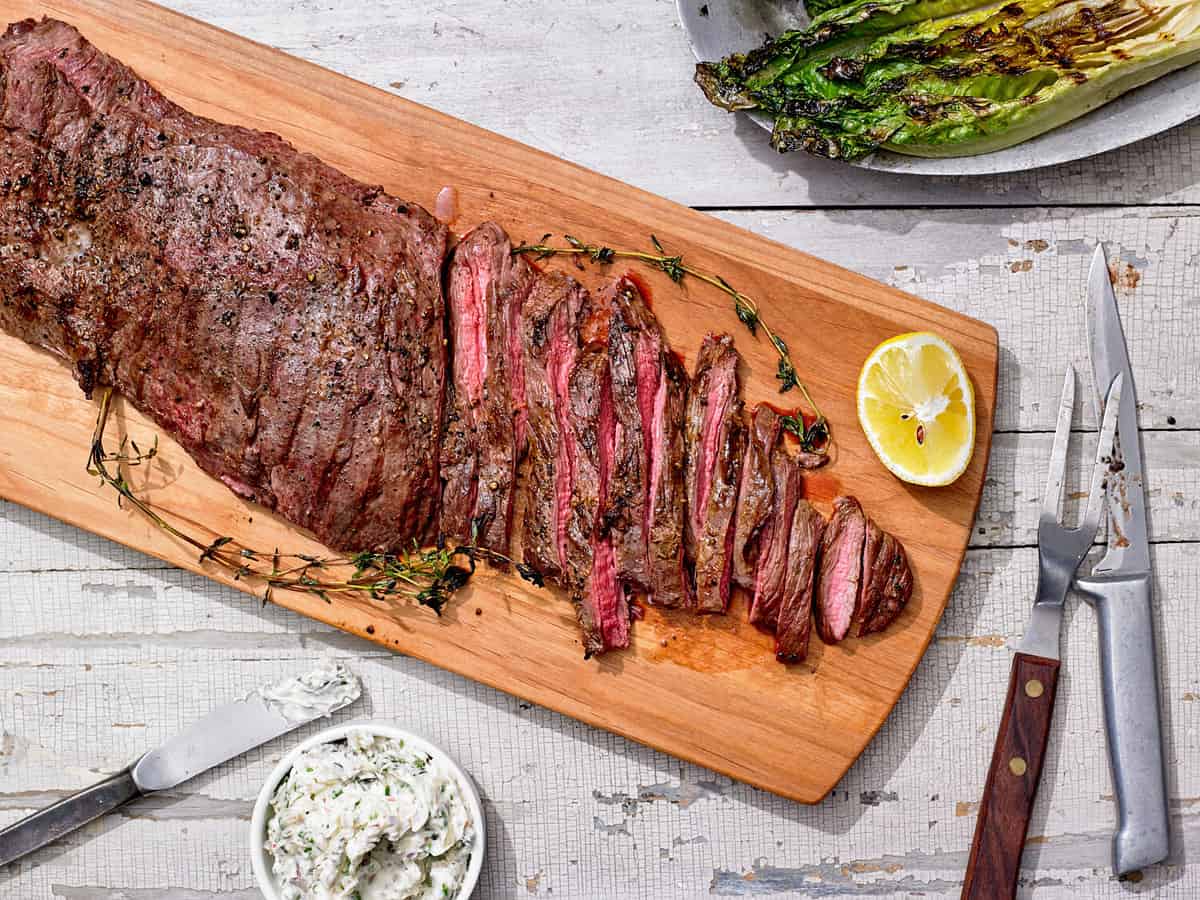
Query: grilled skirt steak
[887,581]
[485,412]
[841,569]
[647,505]
[280,320]
[591,571]
[716,444]
[670,580]
[795,615]
[636,374]
[550,332]
[756,493]
[770,573]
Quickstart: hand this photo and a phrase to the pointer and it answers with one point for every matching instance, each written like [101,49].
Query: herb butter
[368,818]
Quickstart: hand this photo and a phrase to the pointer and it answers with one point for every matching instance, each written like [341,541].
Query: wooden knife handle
[1012,780]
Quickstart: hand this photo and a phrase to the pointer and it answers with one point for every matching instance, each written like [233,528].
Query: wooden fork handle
[1012,781]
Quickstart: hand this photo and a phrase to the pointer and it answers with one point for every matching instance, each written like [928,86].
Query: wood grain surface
[707,691]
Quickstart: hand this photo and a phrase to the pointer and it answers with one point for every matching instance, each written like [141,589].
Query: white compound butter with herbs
[369,819]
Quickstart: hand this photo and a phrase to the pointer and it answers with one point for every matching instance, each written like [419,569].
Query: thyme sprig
[814,436]
[427,576]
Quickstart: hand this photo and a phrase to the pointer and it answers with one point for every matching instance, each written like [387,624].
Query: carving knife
[1119,590]
[224,733]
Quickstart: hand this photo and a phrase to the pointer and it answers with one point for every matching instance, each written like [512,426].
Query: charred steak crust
[630,326]
[770,574]
[887,582]
[280,320]
[670,580]
[590,572]
[716,444]
[840,570]
[486,416]
[756,493]
[550,334]
[647,504]
[795,615]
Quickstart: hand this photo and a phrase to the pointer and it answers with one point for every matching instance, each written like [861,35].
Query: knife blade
[226,732]
[1128,540]
[1119,589]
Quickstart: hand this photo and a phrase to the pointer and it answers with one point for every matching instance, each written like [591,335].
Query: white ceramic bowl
[261,859]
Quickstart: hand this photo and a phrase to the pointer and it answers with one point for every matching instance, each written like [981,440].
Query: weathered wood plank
[609,85]
[574,810]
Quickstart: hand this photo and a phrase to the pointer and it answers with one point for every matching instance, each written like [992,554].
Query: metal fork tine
[1104,452]
[1052,500]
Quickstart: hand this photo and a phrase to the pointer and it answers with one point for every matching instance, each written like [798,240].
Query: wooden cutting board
[706,690]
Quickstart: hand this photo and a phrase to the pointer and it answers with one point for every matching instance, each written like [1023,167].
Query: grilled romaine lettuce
[947,77]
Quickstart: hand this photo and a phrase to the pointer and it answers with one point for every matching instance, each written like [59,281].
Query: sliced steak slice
[670,580]
[556,306]
[591,572]
[283,322]
[795,615]
[841,569]
[634,357]
[485,422]
[716,444]
[887,581]
[770,572]
[757,492]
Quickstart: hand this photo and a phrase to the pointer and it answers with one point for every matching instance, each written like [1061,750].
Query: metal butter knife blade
[1119,588]
[226,732]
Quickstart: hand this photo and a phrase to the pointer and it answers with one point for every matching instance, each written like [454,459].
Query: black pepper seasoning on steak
[646,505]
[887,581]
[591,572]
[771,568]
[486,410]
[716,444]
[756,492]
[794,627]
[670,580]
[630,325]
[280,320]
[550,333]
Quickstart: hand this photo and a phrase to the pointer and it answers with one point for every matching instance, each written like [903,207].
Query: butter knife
[224,733]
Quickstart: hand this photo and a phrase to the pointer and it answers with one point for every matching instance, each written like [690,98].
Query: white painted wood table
[104,652]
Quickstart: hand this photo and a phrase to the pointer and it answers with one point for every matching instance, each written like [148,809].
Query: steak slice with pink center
[590,572]
[486,413]
[771,571]
[670,580]
[757,493]
[841,569]
[634,356]
[794,627]
[716,444]
[550,333]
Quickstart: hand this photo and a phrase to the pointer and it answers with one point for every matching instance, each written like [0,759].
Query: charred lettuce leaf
[948,77]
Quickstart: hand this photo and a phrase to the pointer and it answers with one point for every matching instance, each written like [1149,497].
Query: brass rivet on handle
[1017,766]
[1034,688]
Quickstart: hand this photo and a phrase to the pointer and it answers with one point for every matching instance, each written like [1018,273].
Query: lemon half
[917,408]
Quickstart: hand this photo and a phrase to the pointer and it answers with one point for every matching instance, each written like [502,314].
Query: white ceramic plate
[733,26]
[260,859]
